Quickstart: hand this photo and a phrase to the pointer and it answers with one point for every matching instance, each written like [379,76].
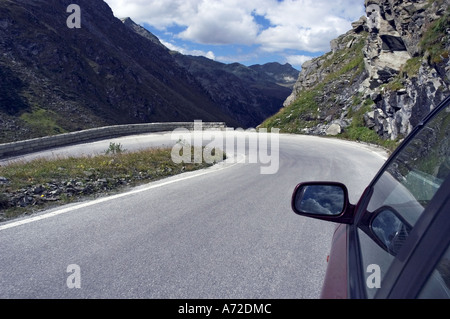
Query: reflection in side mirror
[320,199]
[390,229]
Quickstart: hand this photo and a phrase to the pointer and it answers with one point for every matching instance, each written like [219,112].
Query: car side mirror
[389,229]
[323,200]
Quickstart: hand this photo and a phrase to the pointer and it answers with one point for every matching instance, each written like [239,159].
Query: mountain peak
[141,31]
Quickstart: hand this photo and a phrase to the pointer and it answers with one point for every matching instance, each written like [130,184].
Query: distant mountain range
[247,94]
[55,79]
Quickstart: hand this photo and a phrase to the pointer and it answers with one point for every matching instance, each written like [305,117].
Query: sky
[244,31]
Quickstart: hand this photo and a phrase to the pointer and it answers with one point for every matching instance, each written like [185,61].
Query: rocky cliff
[379,79]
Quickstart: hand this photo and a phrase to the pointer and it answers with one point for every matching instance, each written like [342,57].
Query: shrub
[114,149]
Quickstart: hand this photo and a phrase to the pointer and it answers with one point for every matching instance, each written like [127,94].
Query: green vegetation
[114,149]
[395,85]
[301,114]
[42,183]
[357,131]
[351,59]
[411,67]
[409,70]
[42,121]
[435,39]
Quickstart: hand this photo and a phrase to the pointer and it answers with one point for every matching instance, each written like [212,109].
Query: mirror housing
[323,200]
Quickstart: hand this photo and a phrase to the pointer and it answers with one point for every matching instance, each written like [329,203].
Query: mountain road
[224,232]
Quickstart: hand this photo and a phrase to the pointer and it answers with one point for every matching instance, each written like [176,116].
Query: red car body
[335,283]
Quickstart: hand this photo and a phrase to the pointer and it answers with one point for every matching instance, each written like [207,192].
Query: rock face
[396,54]
[384,75]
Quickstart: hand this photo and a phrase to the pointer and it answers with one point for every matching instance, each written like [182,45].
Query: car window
[402,192]
[438,285]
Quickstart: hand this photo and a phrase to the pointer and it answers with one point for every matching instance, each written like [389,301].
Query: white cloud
[298,60]
[220,22]
[306,25]
[158,13]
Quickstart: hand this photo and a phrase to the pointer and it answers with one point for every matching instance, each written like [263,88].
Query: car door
[398,242]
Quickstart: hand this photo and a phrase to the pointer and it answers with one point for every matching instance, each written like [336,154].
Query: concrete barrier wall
[43,143]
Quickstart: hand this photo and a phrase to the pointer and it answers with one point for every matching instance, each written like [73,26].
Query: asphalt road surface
[224,232]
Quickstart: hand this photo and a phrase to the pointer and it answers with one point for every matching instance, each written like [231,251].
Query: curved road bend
[224,232]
